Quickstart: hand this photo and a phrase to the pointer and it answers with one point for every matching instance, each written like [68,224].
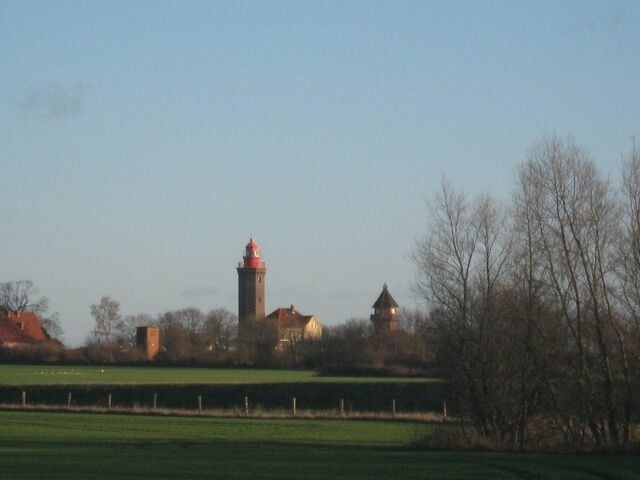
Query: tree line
[190,336]
[534,303]
[187,335]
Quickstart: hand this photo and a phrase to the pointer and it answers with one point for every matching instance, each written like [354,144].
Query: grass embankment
[80,446]
[85,374]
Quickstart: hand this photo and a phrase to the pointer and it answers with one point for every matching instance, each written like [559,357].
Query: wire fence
[392,401]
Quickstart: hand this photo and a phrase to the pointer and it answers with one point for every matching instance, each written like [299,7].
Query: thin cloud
[53,101]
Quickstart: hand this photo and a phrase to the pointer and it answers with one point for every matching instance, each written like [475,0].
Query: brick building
[148,340]
[386,313]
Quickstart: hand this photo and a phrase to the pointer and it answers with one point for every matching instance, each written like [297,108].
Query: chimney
[293,309]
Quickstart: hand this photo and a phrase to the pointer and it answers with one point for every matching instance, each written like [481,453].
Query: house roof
[385,300]
[289,318]
[21,327]
[9,333]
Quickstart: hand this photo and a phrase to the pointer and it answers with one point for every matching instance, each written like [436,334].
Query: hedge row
[362,397]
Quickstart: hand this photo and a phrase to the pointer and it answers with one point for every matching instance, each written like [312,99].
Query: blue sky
[143,143]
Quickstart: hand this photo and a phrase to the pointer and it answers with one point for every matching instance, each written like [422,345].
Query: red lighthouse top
[252,255]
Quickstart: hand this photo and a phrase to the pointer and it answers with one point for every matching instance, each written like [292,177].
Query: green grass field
[64,374]
[81,446]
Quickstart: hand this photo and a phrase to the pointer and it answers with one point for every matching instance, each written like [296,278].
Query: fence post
[109,402]
[393,408]
[246,406]
[200,403]
[342,407]
[24,398]
[155,401]
[444,410]
[69,400]
[293,406]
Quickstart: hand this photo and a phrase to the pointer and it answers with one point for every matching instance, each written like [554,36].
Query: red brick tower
[386,316]
[148,339]
[251,280]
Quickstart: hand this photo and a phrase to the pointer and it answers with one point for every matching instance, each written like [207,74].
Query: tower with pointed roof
[386,315]
[251,281]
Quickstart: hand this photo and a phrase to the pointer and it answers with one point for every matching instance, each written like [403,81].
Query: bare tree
[576,222]
[51,324]
[191,319]
[445,256]
[21,296]
[483,277]
[220,328]
[531,312]
[628,271]
[420,334]
[291,341]
[257,341]
[629,245]
[459,262]
[534,311]
[109,324]
[190,335]
[352,338]
[174,339]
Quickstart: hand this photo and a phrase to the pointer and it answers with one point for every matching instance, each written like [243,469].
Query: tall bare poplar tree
[461,263]
[109,324]
[576,222]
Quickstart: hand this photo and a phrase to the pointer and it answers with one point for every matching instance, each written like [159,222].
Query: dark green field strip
[214,459]
[358,397]
[225,459]
[91,427]
[84,374]
[81,446]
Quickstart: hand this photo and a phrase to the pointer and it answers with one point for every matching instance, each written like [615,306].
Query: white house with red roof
[292,326]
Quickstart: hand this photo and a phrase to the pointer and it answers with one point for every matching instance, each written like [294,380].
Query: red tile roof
[21,327]
[289,318]
[9,333]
